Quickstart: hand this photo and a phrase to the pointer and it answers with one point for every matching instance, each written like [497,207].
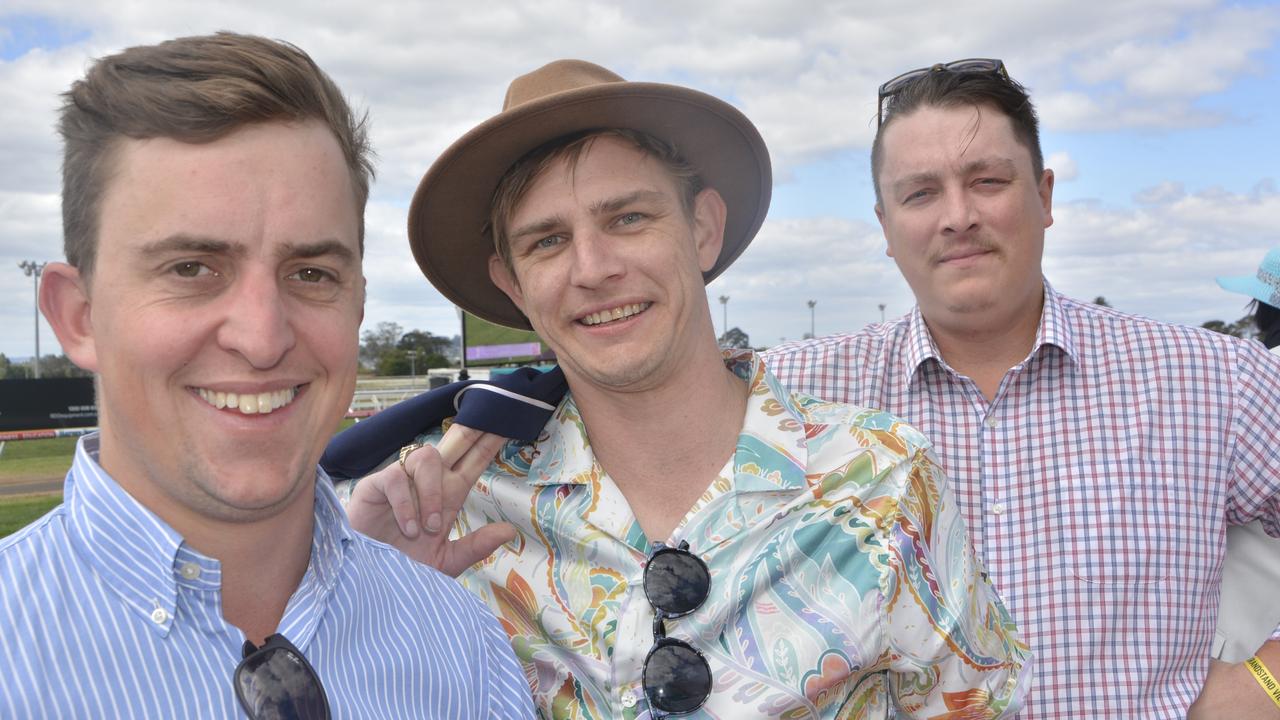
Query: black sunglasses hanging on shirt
[676,677]
[275,682]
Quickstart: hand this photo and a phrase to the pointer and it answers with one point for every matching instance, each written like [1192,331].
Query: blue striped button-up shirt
[105,612]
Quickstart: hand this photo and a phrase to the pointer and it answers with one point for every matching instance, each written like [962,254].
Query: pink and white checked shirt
[1098,485]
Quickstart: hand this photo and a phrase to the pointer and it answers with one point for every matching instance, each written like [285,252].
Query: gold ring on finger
[405,452]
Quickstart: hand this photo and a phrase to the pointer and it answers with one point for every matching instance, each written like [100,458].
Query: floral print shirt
[843,583]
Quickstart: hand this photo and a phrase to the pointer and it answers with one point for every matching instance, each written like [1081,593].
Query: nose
[960,214]
[256,324]
[596,259]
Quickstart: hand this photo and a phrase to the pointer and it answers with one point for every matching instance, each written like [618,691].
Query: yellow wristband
[1265,679]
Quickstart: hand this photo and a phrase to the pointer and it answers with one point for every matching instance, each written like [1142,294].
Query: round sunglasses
[676,677]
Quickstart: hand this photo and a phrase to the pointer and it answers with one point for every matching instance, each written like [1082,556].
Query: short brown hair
[517,181]
[194,90]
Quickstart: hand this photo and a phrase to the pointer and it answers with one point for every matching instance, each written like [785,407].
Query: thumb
[476,546]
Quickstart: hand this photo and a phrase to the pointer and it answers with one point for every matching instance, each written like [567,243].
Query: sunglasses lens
[676,678]
[676,582]
[974,65]
[278,685]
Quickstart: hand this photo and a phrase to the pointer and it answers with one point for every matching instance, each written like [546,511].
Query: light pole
[812,314]
[724,301]
[33,270]
[881,312]
[413,367]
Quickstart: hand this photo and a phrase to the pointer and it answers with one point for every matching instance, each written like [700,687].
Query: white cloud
[805,72]
[1063,165]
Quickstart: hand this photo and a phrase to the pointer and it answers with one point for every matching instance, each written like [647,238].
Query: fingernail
[411,528]
[433,522]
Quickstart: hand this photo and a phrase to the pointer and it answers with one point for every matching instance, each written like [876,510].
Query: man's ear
[65,303]
[1045,191]
[708,227]
[888,249]
[506,281]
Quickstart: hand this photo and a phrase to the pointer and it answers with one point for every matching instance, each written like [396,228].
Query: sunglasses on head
[676,677]
[275,682]
[968,65]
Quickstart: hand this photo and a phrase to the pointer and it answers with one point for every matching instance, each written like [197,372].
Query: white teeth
[249,403]
[618,313]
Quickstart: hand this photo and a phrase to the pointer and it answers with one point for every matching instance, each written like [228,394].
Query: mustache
[963,248]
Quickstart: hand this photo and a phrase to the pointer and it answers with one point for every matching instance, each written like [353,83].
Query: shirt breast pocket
[1114,527]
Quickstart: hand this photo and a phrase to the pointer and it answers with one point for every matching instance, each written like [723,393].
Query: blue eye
[548,241]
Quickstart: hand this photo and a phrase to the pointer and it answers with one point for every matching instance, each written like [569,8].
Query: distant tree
[735,338]
[1101,301]
[60,366]
[1245,327]
[5,367]
[379,340]
[425,343]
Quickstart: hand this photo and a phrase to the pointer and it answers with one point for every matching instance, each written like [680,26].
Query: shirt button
[190,571]
[992,422]
[628,699]
[158,616]
[998,508]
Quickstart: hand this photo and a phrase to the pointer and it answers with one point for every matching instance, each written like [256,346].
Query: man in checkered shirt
[1098,457]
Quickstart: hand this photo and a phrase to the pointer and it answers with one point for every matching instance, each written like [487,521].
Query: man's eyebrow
[191,244]
[600,207]
[969,168]
[184,243]
[538,227]
[320,248]
[990,163]
[614,204]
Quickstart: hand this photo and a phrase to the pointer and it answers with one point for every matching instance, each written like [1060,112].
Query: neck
[262,565]
[663,446]
[262,559]
[984,345]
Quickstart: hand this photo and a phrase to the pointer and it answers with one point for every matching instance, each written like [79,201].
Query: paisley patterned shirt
[843,584]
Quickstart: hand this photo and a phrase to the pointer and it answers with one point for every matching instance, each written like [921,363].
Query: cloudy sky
[1161,119]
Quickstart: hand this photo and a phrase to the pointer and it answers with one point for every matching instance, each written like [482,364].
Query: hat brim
[1252,287]
[451,205]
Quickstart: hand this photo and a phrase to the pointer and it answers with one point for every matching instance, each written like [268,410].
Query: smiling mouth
[621,312]
[248,403]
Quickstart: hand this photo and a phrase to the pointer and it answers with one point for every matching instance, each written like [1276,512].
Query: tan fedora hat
[451,206]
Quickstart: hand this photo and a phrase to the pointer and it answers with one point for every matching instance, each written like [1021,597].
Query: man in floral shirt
[685,536]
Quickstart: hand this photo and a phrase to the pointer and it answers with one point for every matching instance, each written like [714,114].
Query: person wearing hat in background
[1251,568]
[685,536]
[1264,288]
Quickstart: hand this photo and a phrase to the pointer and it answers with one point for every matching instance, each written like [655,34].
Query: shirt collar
[1054,330]
[771,453]
[140,557]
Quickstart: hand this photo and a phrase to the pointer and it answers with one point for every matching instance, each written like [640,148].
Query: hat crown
[556,77]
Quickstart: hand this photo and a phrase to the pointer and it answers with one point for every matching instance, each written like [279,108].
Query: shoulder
[858,428]
[869,341]
[377,565]
[38,543]
[1111,323]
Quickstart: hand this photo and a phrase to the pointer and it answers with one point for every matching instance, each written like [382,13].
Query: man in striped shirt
[213,194]
[1098,457]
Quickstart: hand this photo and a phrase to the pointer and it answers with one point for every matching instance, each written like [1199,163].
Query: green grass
[46,458]
[19,511]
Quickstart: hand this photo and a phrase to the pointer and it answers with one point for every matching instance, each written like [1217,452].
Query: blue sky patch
[20,34]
